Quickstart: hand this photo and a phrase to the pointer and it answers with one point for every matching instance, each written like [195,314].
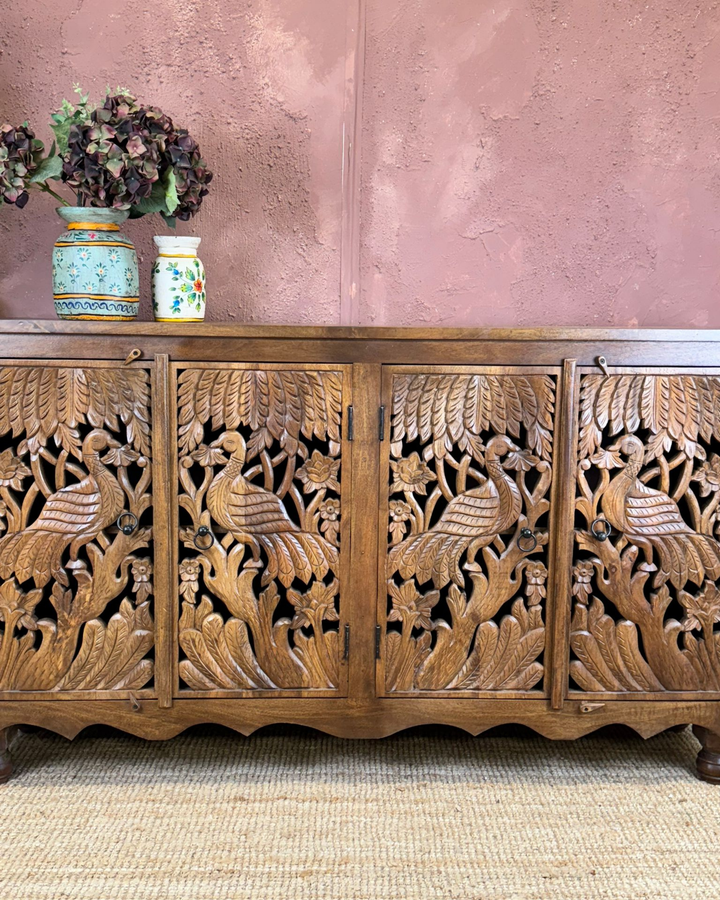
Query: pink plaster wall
[522,161]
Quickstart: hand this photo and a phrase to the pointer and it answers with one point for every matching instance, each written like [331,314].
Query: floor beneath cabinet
[430,814]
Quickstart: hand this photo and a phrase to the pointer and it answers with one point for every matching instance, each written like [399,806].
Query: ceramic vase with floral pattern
[178,280]
[95,270]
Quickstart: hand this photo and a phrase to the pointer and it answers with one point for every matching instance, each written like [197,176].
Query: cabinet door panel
[647,559]
[464,530]
[263,466]
[75,589]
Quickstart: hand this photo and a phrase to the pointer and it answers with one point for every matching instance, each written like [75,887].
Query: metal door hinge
[351,423]
[346,651]
[378,635]
[381,423]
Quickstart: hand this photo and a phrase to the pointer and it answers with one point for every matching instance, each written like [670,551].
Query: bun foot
[708,759]
[6,766]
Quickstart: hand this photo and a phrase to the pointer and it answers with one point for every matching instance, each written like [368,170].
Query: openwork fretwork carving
[74,593]
[260,472]
[470,472]
[646,601]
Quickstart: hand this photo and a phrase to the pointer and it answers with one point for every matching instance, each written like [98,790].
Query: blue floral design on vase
[95,270]
[178,280]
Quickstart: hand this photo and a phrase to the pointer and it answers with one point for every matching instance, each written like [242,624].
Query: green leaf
[155,203]
[171,196]
[169,221]
[50,167]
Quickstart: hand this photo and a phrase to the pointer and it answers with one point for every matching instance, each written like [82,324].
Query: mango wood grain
[349,719]
[562,532]
[652,390]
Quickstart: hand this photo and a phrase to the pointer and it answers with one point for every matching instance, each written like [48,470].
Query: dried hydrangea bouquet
[122,160]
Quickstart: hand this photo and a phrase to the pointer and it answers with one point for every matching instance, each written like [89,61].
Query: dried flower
[115,159]
[189,578]
[319,472]
[142,574]
[410,474]
[20,156]
[191,173]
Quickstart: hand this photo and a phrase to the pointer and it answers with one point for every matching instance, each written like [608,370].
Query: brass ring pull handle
[602,534]
[127,522]
[526,541]
[202,533]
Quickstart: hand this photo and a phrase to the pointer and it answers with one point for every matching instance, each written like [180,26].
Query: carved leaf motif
[674,408]
[454,409]
[261,473]
[49,403]
[481,484]
[649,472]
[60,531]
[280,405]
[111,656]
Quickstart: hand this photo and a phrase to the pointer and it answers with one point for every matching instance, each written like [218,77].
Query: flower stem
[44,187]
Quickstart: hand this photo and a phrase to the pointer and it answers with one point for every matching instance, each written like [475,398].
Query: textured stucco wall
[523,161]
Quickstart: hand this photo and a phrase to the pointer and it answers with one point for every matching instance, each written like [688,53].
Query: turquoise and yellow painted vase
[95,270]
[178,280]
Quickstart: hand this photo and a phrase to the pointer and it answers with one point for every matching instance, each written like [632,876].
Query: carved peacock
[258,517]
[473,517]
[651,518]
[72,516]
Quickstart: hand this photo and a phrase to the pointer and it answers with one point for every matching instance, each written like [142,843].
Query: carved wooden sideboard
[359,530]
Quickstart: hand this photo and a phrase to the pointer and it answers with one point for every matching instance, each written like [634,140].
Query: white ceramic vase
[178,280]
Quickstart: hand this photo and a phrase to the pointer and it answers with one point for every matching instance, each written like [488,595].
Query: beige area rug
[295,815]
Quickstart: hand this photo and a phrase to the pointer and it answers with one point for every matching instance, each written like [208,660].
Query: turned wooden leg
[708,760]
[6,765]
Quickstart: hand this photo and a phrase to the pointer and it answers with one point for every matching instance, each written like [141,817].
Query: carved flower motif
[314,606]
[3,516]
[17,607]
[702,611]
[330,515]
[607,459]
[410,607]
[319,472]
[536,575]
[208,456]
[189,575]
[582,580]
[121,456]
[410,474]
[520,460]
[708,476]
[399,514]
[12,470]
[142,574]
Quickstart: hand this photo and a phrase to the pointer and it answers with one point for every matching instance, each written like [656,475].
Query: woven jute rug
[295,815]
